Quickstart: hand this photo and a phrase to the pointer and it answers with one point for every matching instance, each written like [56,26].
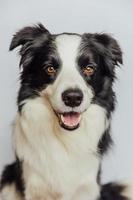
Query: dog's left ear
[28,34]
[29,38]
[110,48]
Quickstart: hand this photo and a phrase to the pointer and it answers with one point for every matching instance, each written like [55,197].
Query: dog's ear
[110,47]
[28,34]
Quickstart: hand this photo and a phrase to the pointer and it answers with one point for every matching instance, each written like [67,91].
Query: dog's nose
[72,97]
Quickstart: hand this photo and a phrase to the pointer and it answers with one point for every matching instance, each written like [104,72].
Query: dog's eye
[88,70]
[50,70]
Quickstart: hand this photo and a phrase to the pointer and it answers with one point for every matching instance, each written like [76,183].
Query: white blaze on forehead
[67,48]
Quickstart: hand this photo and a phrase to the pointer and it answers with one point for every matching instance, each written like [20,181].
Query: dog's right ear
[28,34]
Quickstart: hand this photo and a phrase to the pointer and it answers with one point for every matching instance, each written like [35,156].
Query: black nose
[72,97]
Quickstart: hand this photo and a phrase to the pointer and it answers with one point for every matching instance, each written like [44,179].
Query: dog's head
[72,71]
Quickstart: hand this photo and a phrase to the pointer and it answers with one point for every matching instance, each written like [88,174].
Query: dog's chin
[69,120]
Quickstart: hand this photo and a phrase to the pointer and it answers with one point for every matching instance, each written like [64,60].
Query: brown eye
[50,70]
[88,70]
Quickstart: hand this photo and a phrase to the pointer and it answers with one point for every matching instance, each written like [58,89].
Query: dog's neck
[53,155]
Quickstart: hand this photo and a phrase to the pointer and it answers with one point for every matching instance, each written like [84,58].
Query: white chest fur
[57,164]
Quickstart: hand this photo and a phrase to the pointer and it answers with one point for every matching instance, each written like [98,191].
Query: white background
[115,17]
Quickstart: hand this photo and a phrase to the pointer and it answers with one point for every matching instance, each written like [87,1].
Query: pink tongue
[71,119]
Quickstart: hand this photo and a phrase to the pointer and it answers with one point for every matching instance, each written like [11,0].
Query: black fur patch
[105,142]
[37,51]
[112,191]
[12,174]
[102,52]
[99,175]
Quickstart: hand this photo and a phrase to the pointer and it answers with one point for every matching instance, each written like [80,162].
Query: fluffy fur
[54,161]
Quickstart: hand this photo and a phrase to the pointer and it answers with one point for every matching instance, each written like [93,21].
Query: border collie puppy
[62,127]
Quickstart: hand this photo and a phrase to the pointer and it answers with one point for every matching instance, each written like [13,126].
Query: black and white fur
[52,162]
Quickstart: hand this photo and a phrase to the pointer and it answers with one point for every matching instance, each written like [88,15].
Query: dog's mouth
[69,120]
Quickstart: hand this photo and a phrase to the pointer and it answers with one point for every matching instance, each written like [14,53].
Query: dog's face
[71,71]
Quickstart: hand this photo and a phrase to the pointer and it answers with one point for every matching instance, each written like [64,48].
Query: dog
[62,127]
